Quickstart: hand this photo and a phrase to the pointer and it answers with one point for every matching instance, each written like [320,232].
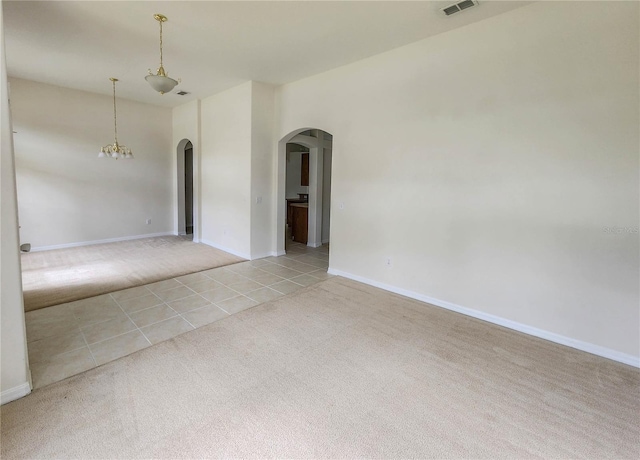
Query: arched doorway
[318,145]
[185,189]
[188,188]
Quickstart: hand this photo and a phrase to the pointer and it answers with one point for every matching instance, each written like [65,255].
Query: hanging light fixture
[160,81]
[115,150]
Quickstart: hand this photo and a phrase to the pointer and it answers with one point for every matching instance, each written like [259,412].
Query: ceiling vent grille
[182,93]
[457,7]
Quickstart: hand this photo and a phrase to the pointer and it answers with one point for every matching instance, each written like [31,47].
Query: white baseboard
[109,240]
[15,393]
[530,330]
[314,245]
[230,251]
[278,253]
[262,255]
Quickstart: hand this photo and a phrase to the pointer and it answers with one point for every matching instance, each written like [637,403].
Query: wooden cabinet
[300,219]
[304,174]
[290,209]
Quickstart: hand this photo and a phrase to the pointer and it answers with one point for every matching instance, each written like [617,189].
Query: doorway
[186,218]
[313,194]
[188,188]
[297,193]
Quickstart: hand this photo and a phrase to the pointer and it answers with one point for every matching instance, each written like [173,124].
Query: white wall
[486,162]
[66,194]
[14,366]
[262,148]
[226,170]
[326,195]
[235,172]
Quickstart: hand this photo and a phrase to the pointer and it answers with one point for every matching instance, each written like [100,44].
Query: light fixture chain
[115,117]
[160,43]
[159,80]
[115,150]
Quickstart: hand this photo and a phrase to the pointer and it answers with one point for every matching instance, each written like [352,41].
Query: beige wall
[262,168]
[226,170]
[236,166]
[486,163]
[326,195]
[66,194]
[14,366]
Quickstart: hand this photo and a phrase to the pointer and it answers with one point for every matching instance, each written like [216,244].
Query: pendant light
[160,81]
[115,150]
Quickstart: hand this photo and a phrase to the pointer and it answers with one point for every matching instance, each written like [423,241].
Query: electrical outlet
[258,200]
[341,205]
[148,221]
[388,262]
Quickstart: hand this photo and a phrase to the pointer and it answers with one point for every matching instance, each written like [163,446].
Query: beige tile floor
[67,339]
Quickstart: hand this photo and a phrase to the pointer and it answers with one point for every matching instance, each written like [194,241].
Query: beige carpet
[337,370]
[63,275]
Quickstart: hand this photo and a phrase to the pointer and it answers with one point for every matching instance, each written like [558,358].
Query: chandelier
[160,81]
[115,150]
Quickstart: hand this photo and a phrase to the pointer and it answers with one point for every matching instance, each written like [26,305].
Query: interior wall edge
[591,348]
[15,375]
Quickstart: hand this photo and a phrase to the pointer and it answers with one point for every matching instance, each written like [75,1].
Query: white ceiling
[211,45]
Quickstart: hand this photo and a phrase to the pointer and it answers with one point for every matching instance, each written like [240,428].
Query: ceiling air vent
[182,93]
[457,7]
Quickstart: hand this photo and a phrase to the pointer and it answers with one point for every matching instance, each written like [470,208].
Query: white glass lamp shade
[160,83]
[102,154]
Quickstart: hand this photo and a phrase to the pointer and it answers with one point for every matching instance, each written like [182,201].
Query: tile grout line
[112,337]
[134,297]
[283,279]
[180,298]
[218,306]
[187,321]
[240,294]
[165,303]
[84,339]
[200,308]
[134,323]
[264,285]
[95,363]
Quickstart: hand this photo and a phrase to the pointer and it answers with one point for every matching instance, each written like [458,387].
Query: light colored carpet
[337,370]
[64,275]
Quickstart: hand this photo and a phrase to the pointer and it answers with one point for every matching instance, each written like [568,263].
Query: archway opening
[304,189]
[188,188]
[185,189]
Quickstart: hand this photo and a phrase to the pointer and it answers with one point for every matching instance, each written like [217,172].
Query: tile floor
[67,339]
